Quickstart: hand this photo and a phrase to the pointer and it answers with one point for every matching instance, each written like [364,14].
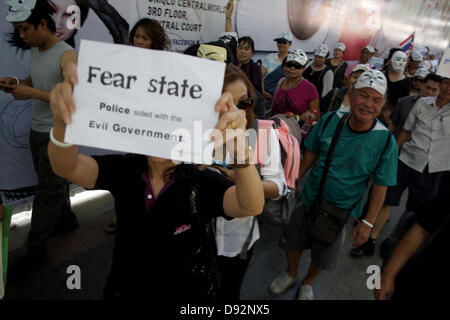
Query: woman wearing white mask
[398,84]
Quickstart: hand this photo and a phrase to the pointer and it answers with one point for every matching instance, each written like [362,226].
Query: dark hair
[392,51]
[42,11]
[16,41]
[249,41]
[433,77]
[154,30]
[233,74]
[192,50]
[182,171]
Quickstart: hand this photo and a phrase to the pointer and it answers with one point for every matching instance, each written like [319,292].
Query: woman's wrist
[246,162]
[59,142]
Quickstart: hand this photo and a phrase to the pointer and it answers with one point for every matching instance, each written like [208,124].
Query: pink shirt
[295,100]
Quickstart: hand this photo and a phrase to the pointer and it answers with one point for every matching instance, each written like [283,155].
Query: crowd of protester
[364,131]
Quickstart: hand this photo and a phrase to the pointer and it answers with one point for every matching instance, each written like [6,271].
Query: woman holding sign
[148,34]
[164,254]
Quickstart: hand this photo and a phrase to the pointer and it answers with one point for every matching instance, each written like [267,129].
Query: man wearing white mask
[318,73]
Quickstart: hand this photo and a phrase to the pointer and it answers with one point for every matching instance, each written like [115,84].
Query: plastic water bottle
[306,127]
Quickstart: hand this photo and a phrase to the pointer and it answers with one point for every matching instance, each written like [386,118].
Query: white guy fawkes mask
[398,61]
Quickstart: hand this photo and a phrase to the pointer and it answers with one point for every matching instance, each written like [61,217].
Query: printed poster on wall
[186,22]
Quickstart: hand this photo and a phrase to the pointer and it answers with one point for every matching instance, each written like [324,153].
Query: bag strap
[333,98]
[331,150]
[198,218]
[243,254]
[279,85]
[337,68]
[327,121]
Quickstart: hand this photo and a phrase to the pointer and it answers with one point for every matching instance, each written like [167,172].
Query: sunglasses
[282,41]
[296,65]
[245,104]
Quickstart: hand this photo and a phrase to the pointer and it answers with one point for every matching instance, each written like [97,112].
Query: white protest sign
[444,67]
[144,101]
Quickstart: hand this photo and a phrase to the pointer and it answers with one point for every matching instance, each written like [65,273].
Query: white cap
[361,67]
[284,36]
[372,79]
[370,48]
[421,72]
[425,64]
[416,56]
[340,46]
[321,50]
[19,10]
[297,55]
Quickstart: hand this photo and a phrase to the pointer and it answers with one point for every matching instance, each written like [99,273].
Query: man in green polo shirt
[365,150]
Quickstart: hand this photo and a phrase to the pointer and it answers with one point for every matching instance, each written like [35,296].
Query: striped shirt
[430,136]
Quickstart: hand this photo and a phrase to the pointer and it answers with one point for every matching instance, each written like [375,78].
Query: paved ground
[90,248]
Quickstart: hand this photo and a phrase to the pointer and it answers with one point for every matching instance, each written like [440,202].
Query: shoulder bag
[323,219]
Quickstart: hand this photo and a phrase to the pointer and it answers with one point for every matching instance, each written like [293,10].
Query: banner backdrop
[186,22]
[381,23]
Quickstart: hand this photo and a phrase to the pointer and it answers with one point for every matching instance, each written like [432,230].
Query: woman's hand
[230,128]
[229,9]
[61,98]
